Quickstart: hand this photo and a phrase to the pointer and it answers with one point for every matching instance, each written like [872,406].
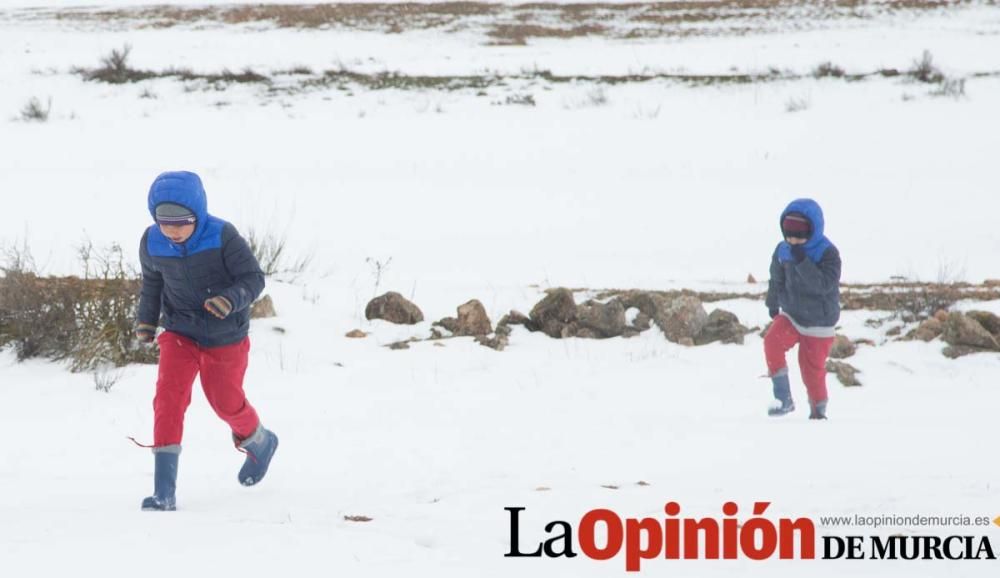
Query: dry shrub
[87,321]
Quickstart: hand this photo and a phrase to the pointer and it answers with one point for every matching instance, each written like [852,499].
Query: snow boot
[164,480]
[783,403]
[817,410]
[260,448]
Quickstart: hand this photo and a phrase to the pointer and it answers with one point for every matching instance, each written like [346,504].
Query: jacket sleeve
[152,287]
[776,282]
[242,266]
[821,278]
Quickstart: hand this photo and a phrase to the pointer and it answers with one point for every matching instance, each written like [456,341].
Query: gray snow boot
[817,410]
[164,480]
[260,448]
[782,394]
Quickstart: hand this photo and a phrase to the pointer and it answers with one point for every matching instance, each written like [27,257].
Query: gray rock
[846,373]
[263,308]
[603,320]
[722,326]
[962,330]
[471,320]
[683,319]
[842,348]
[394,308]
[554,313]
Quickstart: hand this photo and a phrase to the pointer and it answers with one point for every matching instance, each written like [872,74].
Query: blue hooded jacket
[807,291]
[177,278]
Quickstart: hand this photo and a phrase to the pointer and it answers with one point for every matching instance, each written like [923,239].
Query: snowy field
[650,184]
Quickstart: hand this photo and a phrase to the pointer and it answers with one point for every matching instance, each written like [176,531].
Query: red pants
[222,370]
[813,351]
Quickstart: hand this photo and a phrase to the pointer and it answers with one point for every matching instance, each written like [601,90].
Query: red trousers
[222,370]
[813,352]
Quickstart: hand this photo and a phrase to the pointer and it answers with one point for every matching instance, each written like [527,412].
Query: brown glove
[145,332]
[219,306]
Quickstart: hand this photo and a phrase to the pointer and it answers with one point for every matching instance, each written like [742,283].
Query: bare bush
[270,249]
[796,104]
[924,70]
[105,377]
[597,97]
[378,269]
[35,111]
[828,69]
[951,88]
[115,69]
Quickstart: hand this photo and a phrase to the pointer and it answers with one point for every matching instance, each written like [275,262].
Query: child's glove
[798,253]
[219,306]
[145,332]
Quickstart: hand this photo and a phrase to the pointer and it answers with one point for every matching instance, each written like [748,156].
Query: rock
[894,331]
[394,308]
[648,303]
[603,320]
[846,373]
[721,326]
[263,308]
[552,314]
[449,324]
[399,345]
[956,351]
[514,318]
[928,330]
[642,322]
[751,279]
[941,315]
[989,321]
[498,341]
[684,318]
[356,334]
[842,348]
[472,319]
[686,342]
[631,332]
[962,330]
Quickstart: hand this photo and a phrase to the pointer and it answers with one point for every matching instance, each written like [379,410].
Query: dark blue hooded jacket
[807,291]
[178,278]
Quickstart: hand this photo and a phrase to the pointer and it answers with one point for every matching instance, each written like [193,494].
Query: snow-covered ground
[656,184]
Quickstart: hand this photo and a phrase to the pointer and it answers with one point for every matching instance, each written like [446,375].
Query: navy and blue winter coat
[808,291]
[177,278]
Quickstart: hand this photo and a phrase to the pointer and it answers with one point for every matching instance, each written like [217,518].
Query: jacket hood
[810,209]
[182,188]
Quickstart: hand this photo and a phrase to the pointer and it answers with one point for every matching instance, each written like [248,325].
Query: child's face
[796,241]
[177,233]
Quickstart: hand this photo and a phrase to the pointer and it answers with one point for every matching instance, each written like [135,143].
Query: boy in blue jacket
[199,279]
[803,299]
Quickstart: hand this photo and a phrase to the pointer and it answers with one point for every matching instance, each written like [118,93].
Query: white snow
[665,186]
